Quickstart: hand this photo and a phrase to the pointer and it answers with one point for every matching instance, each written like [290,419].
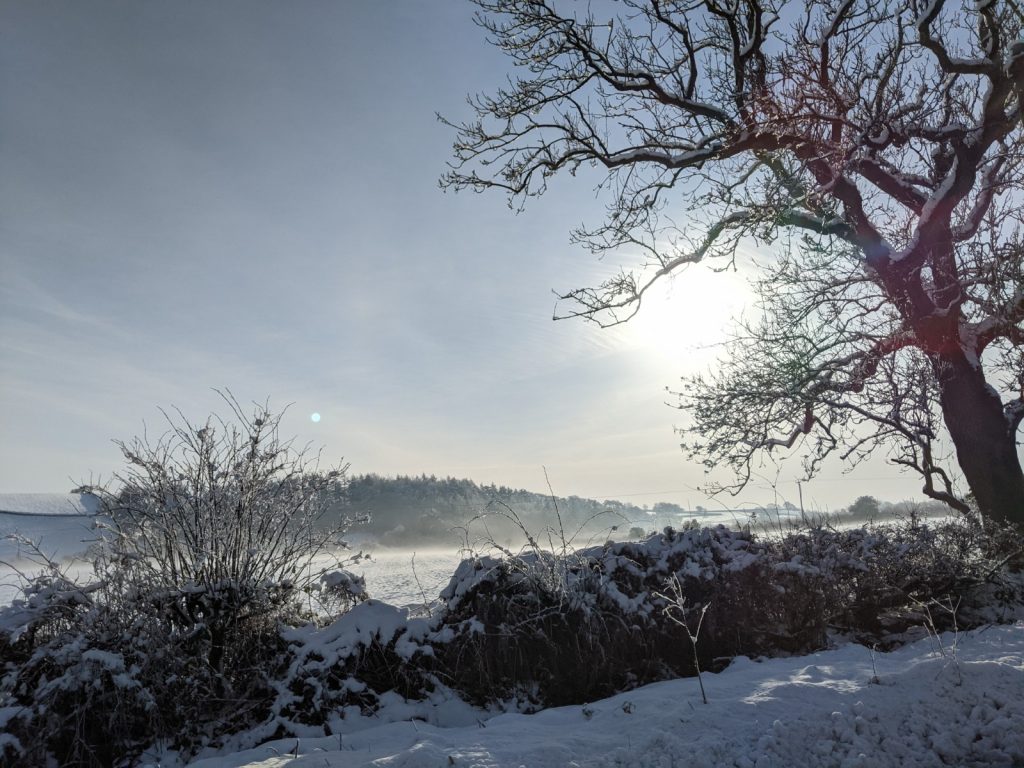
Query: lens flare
[315,417]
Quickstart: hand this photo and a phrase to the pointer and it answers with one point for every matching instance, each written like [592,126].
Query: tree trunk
[985,446]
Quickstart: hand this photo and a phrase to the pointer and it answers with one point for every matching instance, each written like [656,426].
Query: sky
[244,195]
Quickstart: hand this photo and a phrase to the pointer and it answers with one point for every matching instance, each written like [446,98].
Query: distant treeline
[417,510]
[428,510]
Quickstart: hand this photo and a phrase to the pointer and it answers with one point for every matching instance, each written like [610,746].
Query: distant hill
[61,524]
[81,503]
[425,510]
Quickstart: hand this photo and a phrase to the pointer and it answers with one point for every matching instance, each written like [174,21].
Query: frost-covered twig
[677,602]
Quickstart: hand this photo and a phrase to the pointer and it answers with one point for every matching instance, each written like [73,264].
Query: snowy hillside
[49,504]
[952,700]
[61,524]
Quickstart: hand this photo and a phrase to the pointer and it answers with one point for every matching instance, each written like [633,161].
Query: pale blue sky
[244,194]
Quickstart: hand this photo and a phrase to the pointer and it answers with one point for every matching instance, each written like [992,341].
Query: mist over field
[413,531]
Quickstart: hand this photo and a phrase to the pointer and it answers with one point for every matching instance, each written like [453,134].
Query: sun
[687,317]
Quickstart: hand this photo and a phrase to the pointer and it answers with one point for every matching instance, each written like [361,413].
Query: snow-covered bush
[558,628]
[871,581]
[221,520]
[346,666]
[216,540]
[98,686]
[554,629]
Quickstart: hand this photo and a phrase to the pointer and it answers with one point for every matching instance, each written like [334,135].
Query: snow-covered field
[394,576]
[406,578]
[60,537]
[61,524]
[951,700]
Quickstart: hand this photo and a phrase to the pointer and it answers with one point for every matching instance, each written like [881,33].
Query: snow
[940,195]
[61,524]
[669,159]
[50,504]
[60,536]
[344,582]
[948,700]
[360,627]
[954,699]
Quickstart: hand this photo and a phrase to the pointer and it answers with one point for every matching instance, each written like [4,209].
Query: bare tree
[878,143]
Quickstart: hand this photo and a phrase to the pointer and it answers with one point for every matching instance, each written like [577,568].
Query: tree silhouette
[876,146]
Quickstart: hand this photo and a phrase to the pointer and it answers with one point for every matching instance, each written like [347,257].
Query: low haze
[244,195]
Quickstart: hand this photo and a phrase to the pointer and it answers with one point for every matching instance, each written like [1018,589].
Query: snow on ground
[941,701]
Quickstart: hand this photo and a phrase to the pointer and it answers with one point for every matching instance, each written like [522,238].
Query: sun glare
[315,417]
[686,318]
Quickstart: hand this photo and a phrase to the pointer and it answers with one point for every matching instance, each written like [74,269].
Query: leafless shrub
[213,511]
[214,539]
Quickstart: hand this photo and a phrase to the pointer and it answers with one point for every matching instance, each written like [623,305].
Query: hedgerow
[98,674]
[553,630]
